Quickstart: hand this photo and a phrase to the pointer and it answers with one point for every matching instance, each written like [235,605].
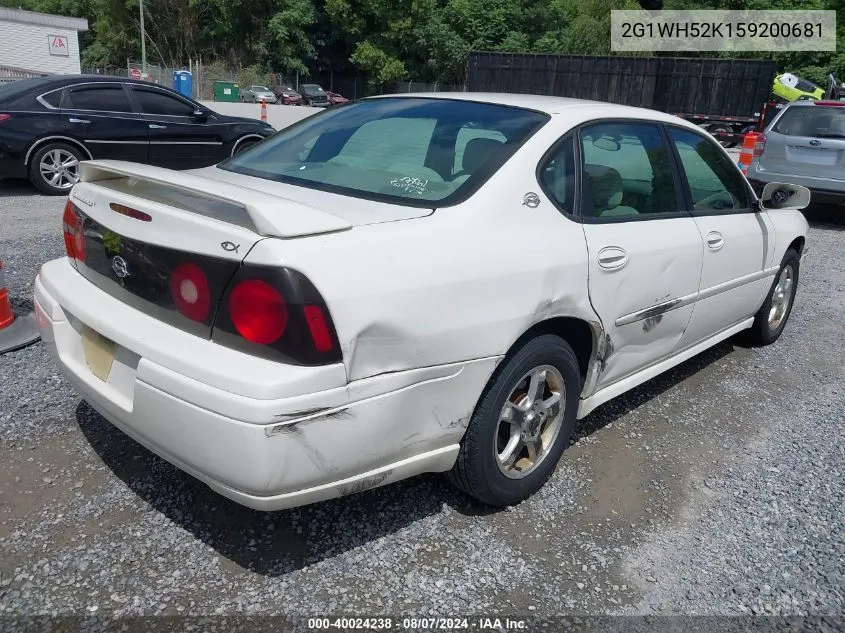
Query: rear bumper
[270,452]
[823,189]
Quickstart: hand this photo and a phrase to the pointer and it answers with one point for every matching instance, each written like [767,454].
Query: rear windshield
[815,120]
[411,151]
[10,90]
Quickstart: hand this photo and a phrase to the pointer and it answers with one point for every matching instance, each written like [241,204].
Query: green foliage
[386,40]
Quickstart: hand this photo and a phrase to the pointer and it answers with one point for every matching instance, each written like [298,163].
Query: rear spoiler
[263,213]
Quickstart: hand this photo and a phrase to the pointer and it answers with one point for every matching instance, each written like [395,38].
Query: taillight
[190,290]
[279,314]
[5,117]
[74,236]
[760,145]
[258,311]
[320,333]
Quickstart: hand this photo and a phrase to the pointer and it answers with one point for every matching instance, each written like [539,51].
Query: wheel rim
[781,297]
[529,422]
[59,168]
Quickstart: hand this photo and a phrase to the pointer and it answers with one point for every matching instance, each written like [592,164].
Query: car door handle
[715,241]
[155,126]
[612,258]
[75,120]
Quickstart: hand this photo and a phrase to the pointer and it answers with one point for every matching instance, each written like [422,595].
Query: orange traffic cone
[263,110]
[746,155]
[14,332]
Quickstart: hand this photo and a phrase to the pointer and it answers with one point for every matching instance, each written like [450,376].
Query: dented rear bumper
[262,450]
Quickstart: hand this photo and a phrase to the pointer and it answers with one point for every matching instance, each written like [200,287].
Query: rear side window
[626,172]
[815,120]
[101,98]
[53,99]
[714,181]
[557,175]
[157,102]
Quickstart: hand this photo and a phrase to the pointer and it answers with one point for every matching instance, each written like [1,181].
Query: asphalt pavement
[716,488]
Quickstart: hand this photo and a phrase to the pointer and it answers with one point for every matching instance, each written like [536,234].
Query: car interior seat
[603,193]
[477,152]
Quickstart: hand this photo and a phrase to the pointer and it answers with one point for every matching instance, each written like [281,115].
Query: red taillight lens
[5,117]
[320,332]
[74,237]
[258,311]
[191,294]
[760,145]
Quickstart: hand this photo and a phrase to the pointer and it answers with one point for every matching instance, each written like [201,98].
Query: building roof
[43,19]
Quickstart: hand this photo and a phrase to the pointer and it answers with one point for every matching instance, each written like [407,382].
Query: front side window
[102,98]
[626,172]
[413,151]
[714,182]
[154,101]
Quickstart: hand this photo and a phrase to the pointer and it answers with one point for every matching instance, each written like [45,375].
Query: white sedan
[409,284]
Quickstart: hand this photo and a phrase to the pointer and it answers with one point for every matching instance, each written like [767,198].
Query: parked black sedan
[49,124]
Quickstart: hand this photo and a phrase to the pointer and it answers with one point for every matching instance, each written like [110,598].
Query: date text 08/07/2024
[419,624]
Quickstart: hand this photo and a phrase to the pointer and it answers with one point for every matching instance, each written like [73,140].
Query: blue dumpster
[183,82]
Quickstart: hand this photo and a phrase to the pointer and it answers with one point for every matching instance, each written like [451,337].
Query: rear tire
[54,168]
[772,316]
[497,464]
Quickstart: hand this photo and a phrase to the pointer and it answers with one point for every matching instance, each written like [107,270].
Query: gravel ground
[713,489]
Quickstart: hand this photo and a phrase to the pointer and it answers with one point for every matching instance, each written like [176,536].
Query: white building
[38,43]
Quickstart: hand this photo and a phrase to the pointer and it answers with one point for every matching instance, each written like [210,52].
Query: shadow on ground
[17,188]
[277,543]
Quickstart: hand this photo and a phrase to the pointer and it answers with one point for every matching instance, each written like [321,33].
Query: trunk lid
[168,243]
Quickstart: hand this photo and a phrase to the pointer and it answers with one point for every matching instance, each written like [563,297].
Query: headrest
[477,151]
[604,187]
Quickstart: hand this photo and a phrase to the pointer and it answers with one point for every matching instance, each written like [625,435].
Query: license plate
[99,353]
[812,155]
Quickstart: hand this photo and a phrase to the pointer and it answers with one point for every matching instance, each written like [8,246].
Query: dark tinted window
[53,98]
[557,175]
[626,171]
[815,120]
[157,102]
[395,149]
[806,86]
[12,89]
[104,98]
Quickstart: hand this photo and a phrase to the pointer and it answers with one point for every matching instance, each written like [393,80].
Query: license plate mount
[98,352]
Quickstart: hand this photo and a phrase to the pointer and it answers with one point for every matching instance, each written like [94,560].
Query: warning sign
[58,45]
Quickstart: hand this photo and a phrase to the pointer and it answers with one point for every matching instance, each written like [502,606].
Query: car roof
[57,81]
[543,103]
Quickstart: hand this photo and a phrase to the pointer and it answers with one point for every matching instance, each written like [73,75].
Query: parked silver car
[255,94]
[804,145]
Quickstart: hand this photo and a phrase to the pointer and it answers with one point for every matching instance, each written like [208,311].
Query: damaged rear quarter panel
[462,283]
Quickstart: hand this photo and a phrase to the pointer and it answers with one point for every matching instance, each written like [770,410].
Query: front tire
[54,169]
[772,316]
[245,145]
[521,425]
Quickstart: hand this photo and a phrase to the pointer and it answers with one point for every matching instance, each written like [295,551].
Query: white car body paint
[426,304]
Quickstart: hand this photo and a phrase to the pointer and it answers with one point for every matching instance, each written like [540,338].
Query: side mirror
[779,195]
[200,115]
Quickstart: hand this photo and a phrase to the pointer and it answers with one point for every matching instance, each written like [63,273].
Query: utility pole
[143,39]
